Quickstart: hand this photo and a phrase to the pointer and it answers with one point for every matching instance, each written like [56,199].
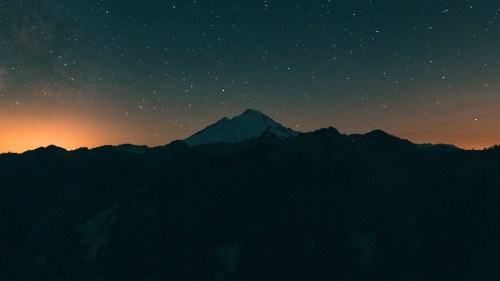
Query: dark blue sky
[148,72]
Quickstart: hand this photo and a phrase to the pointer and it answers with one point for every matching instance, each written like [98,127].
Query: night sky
[90,73]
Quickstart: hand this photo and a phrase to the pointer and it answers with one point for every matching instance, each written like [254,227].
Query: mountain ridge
[250,124]
[283,209]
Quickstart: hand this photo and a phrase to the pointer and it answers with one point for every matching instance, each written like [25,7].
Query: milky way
[91,73]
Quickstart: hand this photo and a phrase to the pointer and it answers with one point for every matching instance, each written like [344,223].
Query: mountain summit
[250,124]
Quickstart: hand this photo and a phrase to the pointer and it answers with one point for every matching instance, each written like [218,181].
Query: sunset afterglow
[86,74]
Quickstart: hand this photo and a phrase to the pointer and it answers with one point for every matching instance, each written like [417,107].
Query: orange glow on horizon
[468,130]
[19,138]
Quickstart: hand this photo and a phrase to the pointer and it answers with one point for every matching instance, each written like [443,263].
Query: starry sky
[89,73]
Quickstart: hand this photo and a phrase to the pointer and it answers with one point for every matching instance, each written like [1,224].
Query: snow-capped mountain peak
[250,124]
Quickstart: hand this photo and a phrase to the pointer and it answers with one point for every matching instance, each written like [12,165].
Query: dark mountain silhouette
[437,148]
[383,144]
[319,206]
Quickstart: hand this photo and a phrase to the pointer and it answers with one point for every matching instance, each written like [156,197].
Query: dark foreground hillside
[318,207]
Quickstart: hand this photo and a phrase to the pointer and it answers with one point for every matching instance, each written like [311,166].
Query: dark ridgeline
[320,206]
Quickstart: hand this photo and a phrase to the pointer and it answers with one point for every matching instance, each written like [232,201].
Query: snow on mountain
[250,124]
